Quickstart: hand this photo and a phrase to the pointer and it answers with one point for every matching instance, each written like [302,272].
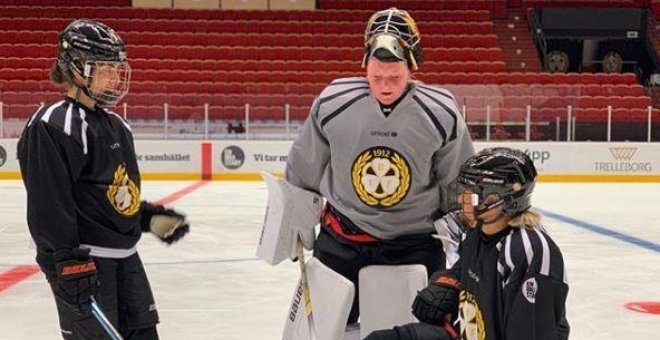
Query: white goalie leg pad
[331,296]
[290,211]
[387,294]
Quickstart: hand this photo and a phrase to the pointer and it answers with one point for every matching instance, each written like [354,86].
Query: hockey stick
[305,285]
[103,320]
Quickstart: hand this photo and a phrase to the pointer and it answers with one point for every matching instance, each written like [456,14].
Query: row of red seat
[307,87]
[176,99]
[322,77]
[555,101]
[254,39]
[258,53]
[257,99]
[586,3]
[548,90]
[528,78]
[243,26]
[182,87]
[86,3]
[227,14]
[292,89]
[23,111]
[497,6]
[265,65]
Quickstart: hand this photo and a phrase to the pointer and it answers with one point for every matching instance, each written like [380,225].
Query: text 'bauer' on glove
[72,275]
[167,224]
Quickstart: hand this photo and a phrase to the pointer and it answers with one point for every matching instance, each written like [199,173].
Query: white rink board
[245,159]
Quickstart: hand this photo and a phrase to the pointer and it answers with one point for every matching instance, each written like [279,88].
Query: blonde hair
[529,219]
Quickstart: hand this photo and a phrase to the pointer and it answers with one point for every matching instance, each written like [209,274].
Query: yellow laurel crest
[396,171]
[123,194]
[357,169]
[472,321]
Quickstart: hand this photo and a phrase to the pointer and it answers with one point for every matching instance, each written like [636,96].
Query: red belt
[331,221]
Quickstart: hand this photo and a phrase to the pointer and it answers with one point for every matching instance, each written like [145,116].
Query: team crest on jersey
[471,320]
[123,194]
[529,289]
[381,177]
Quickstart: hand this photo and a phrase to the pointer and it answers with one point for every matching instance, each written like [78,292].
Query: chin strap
[482,222]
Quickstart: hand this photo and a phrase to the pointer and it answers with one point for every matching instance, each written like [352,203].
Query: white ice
[210,285]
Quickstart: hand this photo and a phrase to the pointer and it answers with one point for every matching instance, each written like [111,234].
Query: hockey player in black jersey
[510,280]
[84,211]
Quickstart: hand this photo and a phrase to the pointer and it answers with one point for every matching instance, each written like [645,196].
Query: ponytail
[529,219]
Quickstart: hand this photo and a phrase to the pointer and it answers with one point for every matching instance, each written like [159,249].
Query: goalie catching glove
[167,224]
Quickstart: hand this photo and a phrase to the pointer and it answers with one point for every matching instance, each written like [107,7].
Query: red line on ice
[19,273]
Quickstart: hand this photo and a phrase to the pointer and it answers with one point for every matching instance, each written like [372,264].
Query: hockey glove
[438,300]
[76,281]
[168,225]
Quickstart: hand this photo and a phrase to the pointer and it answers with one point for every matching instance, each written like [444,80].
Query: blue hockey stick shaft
[103,320]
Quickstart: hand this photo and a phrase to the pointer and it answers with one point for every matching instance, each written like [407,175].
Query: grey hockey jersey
[388,174]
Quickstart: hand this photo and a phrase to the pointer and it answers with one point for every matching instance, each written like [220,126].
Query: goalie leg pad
[386,294]
[331,296]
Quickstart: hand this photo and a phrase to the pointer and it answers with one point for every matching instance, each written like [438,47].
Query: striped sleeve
[51,161]
[534,286]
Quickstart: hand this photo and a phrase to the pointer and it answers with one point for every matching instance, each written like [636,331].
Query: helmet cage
[95,53]
[107,82]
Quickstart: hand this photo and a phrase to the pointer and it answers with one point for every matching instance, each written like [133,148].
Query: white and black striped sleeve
[534,287]
[51,161]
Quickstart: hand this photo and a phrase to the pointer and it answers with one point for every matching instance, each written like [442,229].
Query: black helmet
[504,173]
[86,45]
[394,32]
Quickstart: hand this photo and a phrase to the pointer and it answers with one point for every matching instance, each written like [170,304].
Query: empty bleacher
[268,59]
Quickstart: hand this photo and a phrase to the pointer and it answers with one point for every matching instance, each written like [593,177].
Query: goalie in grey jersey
[381,149]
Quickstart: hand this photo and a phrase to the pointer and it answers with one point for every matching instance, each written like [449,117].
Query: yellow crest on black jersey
[123,194]
[472,321]
[381,177]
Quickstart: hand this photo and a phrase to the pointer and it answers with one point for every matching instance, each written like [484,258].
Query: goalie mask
[95,53]
[496,177]
[392,35]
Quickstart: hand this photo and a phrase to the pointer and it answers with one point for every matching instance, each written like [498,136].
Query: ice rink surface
[211,286]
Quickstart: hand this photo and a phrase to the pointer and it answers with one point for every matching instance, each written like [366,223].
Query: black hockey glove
[75,278]
[167,224]
[438,300]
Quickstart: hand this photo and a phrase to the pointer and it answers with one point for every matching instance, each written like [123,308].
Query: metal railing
[570,122]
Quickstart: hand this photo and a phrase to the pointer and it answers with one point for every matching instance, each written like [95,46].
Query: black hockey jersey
[514,286]
[82,180]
